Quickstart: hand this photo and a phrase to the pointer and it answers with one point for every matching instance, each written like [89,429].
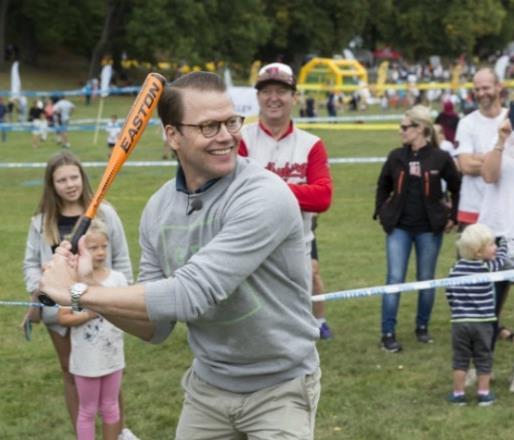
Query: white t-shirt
[475,134]
[64,108]
[449,148]
[113,130]
[97,345]
[497,209]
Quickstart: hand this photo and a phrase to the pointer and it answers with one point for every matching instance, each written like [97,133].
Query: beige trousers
[284,411]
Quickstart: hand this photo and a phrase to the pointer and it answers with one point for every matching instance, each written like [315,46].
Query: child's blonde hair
[473,239]
[98,226]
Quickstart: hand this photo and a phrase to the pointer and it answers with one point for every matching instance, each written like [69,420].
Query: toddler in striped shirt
[473,310]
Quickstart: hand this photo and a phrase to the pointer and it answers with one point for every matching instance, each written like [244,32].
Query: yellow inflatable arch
[331,73]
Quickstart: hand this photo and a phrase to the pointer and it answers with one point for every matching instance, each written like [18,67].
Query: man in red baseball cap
[298,157]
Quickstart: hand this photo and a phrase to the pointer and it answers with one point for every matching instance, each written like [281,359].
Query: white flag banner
[15,80]
[227,76]
[105,80]
[245,100]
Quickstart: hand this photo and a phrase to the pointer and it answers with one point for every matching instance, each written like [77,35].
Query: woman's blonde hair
[473,239]
[50,204]
[420,115]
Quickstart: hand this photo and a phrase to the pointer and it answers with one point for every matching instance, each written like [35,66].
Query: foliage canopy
[201,31]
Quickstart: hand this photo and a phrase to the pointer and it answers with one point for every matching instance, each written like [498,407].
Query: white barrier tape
[75,125]
[162,163]
[76,92]
[505,275]
[491,277]
[352,118]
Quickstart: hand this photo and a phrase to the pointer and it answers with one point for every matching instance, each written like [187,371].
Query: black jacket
[435,165]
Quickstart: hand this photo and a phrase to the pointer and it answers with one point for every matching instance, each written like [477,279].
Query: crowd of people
[412,208]
[52,112]
[238,266]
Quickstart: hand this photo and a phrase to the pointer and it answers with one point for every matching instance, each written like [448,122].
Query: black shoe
[423,336]
[390,344]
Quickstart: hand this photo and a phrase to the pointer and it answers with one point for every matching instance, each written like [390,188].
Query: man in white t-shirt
[62,112]
[477,133]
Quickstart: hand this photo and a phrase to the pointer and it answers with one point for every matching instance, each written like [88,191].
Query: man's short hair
[473,239]
[171,105]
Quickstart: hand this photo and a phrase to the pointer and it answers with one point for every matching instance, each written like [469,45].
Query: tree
[113,26]
[301,27]
[55,25]
[196,32]
[428,27]
[4,5]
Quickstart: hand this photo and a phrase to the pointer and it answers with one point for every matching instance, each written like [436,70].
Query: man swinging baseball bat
[233,269]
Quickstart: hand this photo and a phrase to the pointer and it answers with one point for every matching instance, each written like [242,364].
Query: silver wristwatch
[76,291]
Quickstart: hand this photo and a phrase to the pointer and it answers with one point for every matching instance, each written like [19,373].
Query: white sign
[245,100]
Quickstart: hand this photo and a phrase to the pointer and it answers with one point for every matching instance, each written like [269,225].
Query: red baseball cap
[275,73]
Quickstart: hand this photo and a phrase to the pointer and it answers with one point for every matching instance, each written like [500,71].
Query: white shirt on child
[113,130]
[97,345]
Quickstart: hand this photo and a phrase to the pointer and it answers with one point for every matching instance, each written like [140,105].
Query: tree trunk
[102,44]
[4,4]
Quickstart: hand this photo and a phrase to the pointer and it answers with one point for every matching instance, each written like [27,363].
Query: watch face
[79,287]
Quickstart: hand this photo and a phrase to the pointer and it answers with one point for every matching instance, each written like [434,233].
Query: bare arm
[123,306]
[492,161]
[136,327]
[67,318]
[470,164]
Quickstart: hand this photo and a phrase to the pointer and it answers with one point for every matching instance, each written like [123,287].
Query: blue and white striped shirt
[475,303]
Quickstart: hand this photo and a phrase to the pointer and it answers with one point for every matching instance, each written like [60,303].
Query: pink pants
[97,393]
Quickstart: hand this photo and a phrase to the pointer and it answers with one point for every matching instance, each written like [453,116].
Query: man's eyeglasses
[210,129]
[406,127]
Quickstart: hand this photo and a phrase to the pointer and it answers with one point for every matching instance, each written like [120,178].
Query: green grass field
[366,394]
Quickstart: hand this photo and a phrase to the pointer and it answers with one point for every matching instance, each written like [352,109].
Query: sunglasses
[406,127]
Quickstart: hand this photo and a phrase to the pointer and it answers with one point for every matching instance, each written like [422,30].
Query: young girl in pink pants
[97,359]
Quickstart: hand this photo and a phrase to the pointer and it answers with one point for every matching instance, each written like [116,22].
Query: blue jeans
[398,246]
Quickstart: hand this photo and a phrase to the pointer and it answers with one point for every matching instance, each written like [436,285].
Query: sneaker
[486,399]
[423,336]
[325,332]
[127,434]
[390,344]
[457,400]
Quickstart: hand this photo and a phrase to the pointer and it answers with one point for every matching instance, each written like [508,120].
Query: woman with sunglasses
[411,208]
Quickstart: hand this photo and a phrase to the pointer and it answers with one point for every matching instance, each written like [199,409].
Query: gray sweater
[235,272]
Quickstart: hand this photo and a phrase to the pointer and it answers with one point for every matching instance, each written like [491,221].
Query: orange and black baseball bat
[135,123]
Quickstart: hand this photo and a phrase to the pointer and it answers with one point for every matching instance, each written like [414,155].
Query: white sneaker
[127,434]
[471,377]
